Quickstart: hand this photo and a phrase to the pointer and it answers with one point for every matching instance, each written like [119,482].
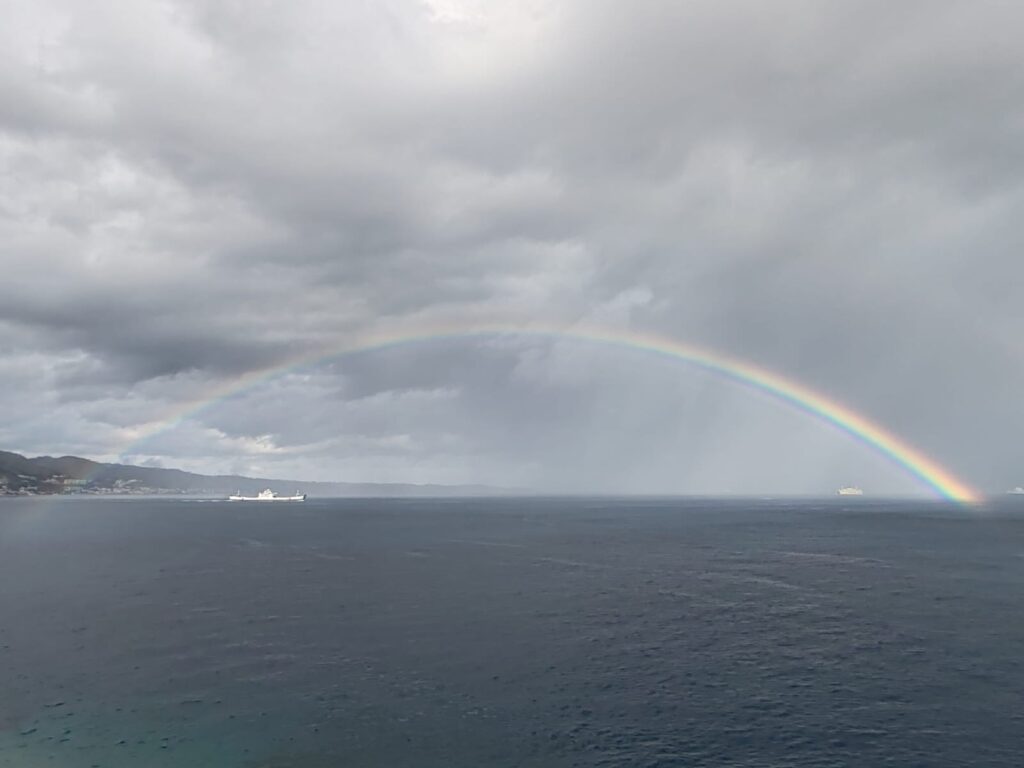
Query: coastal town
[71,475]
[27,485]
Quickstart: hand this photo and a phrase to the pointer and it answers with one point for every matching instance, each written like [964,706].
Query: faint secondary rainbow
[928,472]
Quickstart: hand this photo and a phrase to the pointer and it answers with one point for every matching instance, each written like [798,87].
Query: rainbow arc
[928,472]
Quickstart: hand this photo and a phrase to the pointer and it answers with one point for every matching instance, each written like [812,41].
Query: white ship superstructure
[850,490]
[267,495]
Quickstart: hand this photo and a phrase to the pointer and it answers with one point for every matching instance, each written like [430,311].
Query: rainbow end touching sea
[928,472]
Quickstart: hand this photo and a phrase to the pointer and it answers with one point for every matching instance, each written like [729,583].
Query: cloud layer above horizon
[196,191]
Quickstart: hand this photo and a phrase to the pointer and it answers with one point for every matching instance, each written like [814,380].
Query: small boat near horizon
[267,495]
[850,490]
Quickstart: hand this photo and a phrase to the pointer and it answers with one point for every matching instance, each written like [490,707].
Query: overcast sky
[194,191]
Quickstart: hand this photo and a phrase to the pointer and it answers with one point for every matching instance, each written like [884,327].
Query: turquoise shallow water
[527,632]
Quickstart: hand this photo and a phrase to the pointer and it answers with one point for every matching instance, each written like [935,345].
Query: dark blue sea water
[540,632]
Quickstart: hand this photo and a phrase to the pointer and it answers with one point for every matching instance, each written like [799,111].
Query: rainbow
[929,473]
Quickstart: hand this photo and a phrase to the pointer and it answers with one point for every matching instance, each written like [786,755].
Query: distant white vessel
[267,495]
[1018,491]
[850,490]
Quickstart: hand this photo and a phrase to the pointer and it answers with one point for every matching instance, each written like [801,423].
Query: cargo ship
[267,495]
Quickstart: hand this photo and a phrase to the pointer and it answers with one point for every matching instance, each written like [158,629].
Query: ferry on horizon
[850,490]
[267,495]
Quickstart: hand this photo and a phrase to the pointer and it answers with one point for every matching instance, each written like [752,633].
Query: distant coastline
[73,475]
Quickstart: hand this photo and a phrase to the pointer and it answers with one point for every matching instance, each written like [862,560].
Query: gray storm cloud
[195,191]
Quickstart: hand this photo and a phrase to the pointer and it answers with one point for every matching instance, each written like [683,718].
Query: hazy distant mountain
[67,474]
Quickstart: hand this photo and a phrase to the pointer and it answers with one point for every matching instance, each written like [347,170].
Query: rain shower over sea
[511,632]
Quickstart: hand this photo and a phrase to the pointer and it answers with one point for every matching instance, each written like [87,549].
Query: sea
[511,632]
